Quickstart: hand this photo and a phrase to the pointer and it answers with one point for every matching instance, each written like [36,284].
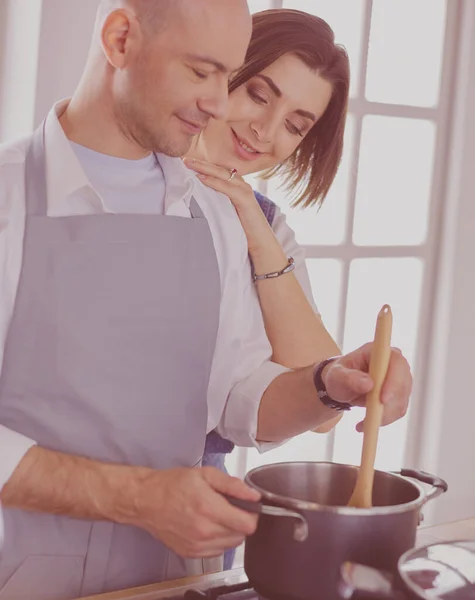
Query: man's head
[167,65]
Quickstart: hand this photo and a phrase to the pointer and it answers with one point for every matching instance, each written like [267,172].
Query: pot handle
[439,486]
[300,529]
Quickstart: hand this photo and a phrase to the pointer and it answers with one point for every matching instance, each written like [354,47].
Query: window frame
[430,251]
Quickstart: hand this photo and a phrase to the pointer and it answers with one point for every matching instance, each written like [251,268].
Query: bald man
[103,416]
[129,328]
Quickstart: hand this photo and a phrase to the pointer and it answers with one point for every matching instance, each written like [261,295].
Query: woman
[287,112]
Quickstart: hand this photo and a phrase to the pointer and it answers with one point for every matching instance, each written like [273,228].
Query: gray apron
[108,356]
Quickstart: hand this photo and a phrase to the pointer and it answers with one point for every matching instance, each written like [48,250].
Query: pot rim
[294,504]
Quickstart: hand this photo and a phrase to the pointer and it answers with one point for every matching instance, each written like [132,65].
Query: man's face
[178,79]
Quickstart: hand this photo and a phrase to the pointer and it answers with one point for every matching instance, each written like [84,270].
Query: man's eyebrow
[210,61]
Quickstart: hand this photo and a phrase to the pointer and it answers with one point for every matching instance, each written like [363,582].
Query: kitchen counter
[426,535]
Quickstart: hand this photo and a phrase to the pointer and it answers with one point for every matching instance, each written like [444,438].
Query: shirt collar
[65,176]
[179,180]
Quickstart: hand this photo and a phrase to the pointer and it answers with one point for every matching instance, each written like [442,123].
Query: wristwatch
[322,390]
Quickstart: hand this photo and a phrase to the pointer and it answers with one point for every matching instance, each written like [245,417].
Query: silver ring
[232,174]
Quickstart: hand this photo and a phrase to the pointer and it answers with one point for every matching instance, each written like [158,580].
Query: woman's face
[268,117]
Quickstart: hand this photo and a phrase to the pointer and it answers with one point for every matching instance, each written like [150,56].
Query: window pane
[258,5]
[394,181]
[378,281]
[236,462]
[405,52]
[345,17]
[349,442]
[326,280]
[327,225]
[374,282]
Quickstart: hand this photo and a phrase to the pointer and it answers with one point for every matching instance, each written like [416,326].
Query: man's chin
[175,149]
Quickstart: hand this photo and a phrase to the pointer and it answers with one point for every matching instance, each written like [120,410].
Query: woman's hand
[225,181]
[258,232]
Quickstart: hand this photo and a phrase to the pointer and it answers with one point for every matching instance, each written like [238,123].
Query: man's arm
[184,508]
[56,483]
[291,406]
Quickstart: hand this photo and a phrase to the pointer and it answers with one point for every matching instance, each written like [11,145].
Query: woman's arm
[296,333]
[294,327]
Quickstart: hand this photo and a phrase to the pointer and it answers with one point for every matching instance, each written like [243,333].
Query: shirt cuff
[240,418]
[13,447]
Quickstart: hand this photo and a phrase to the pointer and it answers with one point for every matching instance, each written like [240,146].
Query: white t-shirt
[118,179]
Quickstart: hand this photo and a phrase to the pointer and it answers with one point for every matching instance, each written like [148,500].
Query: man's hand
[346,380]
[184,508]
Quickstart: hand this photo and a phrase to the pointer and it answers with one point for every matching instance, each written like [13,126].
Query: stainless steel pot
[298,555]
[444,570]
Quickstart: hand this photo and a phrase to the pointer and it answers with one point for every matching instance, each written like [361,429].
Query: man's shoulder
[13,154]
[226,228]
[217,205]
[12,170]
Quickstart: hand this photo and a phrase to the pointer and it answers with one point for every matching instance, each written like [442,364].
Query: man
[129,327]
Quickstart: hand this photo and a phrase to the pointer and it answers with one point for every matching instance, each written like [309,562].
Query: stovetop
[240,591]
[437,570]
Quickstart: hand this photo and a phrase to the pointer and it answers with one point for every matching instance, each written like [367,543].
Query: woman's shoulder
[278,221]
[274,215]
[268,207]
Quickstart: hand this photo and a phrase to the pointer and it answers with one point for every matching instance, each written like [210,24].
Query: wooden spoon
[378,366]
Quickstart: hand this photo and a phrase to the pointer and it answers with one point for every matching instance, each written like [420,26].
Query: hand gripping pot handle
[301,527]
[439,486]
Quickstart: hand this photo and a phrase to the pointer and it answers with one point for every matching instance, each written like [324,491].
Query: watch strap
[325,398]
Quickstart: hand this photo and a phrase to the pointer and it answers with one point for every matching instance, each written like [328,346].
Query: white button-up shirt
[241,369]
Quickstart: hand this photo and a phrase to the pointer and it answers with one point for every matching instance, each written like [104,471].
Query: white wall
[66,35]
[448,441]
[19,66]
[45,44]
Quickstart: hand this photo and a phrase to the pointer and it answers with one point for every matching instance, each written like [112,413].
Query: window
[371,241]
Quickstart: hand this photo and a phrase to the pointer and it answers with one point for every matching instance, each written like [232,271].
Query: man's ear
[120,36]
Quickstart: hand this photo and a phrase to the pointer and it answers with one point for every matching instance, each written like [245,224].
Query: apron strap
[195,209]
[35,174]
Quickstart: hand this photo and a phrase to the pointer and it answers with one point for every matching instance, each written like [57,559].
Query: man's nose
[215,104]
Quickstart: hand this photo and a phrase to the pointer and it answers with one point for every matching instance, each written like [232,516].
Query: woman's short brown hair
[311,169]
